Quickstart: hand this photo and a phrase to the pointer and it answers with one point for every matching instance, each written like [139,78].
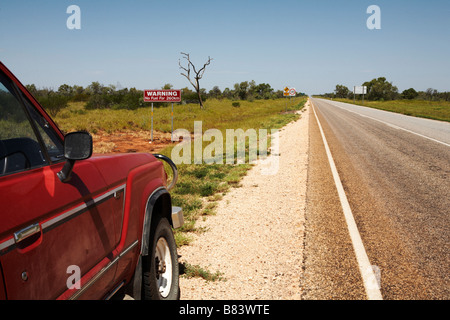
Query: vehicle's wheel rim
[163,265]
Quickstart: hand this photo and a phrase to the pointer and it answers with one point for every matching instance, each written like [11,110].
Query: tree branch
[198,74]
[202,70]
[187,70]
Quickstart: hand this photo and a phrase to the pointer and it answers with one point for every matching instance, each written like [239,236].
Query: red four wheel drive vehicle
[74,226]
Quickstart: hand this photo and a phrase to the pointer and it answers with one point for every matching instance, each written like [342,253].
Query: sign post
[286,94]
[289,92]
[359,90]
[171,134]
[292,93]
[162,96]
[152,123]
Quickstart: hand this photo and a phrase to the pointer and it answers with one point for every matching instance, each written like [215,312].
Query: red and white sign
[162,95]
[289,92]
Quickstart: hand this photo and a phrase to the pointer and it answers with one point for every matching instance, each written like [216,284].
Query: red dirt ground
[130,141]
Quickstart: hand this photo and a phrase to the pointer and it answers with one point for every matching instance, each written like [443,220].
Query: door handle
[27,232]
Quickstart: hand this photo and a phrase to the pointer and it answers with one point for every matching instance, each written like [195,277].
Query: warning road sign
[289,92]
[162,95]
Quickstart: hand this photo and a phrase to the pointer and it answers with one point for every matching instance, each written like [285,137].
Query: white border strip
[370,282]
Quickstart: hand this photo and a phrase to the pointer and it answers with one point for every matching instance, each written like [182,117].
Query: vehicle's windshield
[20,143]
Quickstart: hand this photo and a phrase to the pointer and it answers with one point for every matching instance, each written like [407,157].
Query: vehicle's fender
[159,195]
[162,197]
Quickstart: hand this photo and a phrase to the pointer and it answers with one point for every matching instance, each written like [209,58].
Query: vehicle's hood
[115,167]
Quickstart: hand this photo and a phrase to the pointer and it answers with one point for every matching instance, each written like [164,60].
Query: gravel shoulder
[255,240]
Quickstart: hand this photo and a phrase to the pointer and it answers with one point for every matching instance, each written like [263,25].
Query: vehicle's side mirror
[77,146]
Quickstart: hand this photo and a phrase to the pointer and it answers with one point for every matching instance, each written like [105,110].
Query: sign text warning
[162,95]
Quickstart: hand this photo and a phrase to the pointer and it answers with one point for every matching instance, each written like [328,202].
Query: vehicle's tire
[160,268]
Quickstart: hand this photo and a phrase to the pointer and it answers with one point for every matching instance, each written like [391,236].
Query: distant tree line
[381,90]
[98,96]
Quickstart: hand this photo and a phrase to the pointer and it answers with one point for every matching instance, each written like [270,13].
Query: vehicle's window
[51,141]
[19,146]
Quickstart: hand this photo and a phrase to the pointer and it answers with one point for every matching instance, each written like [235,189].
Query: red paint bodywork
[87,222]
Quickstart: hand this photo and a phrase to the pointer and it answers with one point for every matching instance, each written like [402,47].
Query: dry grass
[438,110]
[219,114]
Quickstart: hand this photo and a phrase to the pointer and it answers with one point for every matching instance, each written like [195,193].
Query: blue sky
[309,45]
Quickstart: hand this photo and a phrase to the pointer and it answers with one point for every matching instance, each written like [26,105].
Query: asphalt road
[395,171]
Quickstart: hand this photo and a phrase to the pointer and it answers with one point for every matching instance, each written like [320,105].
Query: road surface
[395,171]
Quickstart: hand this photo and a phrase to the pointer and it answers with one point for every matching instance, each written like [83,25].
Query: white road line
[392,125]
[370,281]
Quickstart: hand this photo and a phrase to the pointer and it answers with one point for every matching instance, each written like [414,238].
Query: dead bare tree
[198,74]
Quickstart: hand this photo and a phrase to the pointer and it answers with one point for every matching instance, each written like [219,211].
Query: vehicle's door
[50,232]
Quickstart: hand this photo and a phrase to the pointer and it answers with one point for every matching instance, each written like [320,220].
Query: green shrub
[208,189]
[53,103]
[97,102]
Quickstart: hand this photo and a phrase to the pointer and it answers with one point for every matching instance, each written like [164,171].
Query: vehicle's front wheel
[160,267]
